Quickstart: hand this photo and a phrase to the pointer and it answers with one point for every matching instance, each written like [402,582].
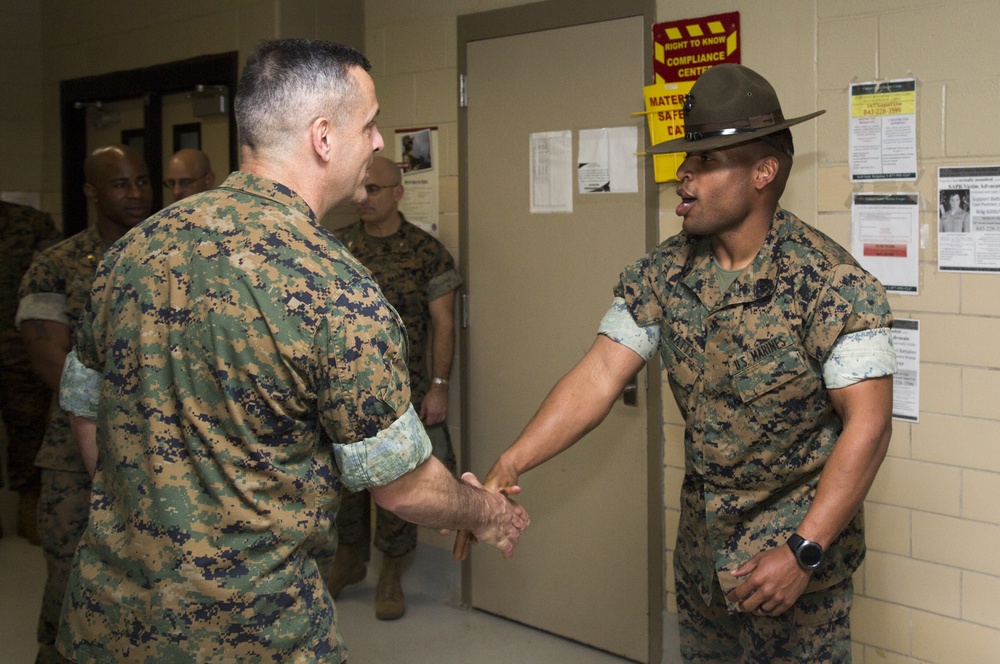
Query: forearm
[576,405]
[430,496]
[85,432]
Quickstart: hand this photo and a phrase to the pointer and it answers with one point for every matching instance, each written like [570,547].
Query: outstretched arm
[774,579]
[578,403]
[428,495]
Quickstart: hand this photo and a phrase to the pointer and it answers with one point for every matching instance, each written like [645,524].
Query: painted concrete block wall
[21,92]
[929,584]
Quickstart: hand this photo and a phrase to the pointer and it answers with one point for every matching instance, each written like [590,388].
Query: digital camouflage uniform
[24,399]
[412,268]
[242,351]
[55,288]
[746,370]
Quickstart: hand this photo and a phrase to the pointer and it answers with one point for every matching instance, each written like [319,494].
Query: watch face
[810,554]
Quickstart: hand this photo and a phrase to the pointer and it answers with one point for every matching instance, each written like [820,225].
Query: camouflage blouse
[412,268]
[240,346]
[746,370]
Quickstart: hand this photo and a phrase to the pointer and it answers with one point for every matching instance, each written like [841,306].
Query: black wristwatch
[808,554]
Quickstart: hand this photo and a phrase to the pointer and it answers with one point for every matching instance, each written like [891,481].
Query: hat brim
[715,142]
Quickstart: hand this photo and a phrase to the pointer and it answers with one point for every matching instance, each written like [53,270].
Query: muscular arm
[48,342]
[578,403]
[774,580]
[434,407]
[866,410]
[428,495]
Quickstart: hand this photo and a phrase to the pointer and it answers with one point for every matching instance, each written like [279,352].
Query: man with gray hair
[248,368]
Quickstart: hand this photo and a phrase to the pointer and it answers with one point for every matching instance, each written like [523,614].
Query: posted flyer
[969,219]
[906,381]
[883,136]
[884,239]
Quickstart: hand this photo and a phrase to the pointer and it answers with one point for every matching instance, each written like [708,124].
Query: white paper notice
[969,219]
[607,161]
[419,159]
[906,382]
[884,231]
[883,137]
[551,171]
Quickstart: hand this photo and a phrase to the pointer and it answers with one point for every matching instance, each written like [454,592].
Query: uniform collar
[755,282]
[258,185]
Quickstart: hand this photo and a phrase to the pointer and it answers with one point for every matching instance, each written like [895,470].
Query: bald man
[418,277]
[189,172]
[52,297]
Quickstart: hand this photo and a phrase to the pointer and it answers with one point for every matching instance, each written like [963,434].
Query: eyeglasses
[373,189]
[183,182]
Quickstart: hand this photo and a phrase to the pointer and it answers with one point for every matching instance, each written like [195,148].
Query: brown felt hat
[728,104]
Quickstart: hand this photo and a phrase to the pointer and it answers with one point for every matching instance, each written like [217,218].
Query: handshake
[502,523]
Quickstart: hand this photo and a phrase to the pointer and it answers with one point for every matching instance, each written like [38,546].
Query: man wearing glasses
[417,276]
[189,172]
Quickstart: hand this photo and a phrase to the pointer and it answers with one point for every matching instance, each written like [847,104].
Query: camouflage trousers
[24,404]
[816,629]
[393,536]
[62,517]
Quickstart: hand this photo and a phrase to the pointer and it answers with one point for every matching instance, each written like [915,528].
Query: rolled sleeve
[859,356]
[79,389]
[619,326]
[42,306]
[389,454]
[443,284]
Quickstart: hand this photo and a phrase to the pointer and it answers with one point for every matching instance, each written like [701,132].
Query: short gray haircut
[287,83]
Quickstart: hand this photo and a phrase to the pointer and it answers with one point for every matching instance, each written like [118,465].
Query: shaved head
[117,182]
[189,172]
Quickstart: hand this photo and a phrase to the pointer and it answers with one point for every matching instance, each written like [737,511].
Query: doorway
[590,568]
[137,94]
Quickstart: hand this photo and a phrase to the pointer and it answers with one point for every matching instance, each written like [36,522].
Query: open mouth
[687,202]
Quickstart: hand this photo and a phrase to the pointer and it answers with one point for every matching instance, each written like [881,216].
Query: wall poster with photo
[417,156]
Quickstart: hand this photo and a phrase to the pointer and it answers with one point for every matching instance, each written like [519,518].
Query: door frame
[538,17]
[149,83]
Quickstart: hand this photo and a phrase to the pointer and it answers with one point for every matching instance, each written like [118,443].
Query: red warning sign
[887,250]
[683,50]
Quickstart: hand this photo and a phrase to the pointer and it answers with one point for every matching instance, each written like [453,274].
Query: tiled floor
[435,628]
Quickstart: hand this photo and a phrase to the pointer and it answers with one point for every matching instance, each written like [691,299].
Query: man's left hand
[434,406]
[774,581]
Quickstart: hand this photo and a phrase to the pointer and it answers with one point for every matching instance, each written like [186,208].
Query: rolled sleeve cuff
[443,284]
[42,306]
[619,326]
[859,356]
[380,459]
[79,389]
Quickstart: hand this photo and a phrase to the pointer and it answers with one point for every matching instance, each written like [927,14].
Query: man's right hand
[499,481]
[503,530]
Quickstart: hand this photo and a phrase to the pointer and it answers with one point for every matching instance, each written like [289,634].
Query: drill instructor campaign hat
[728,104]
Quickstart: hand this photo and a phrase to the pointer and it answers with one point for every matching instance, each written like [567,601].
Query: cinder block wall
[930,590]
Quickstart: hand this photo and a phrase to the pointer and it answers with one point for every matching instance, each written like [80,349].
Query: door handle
[630,395]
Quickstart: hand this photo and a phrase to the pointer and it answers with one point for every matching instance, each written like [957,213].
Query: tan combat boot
[348,567]
[389,601]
